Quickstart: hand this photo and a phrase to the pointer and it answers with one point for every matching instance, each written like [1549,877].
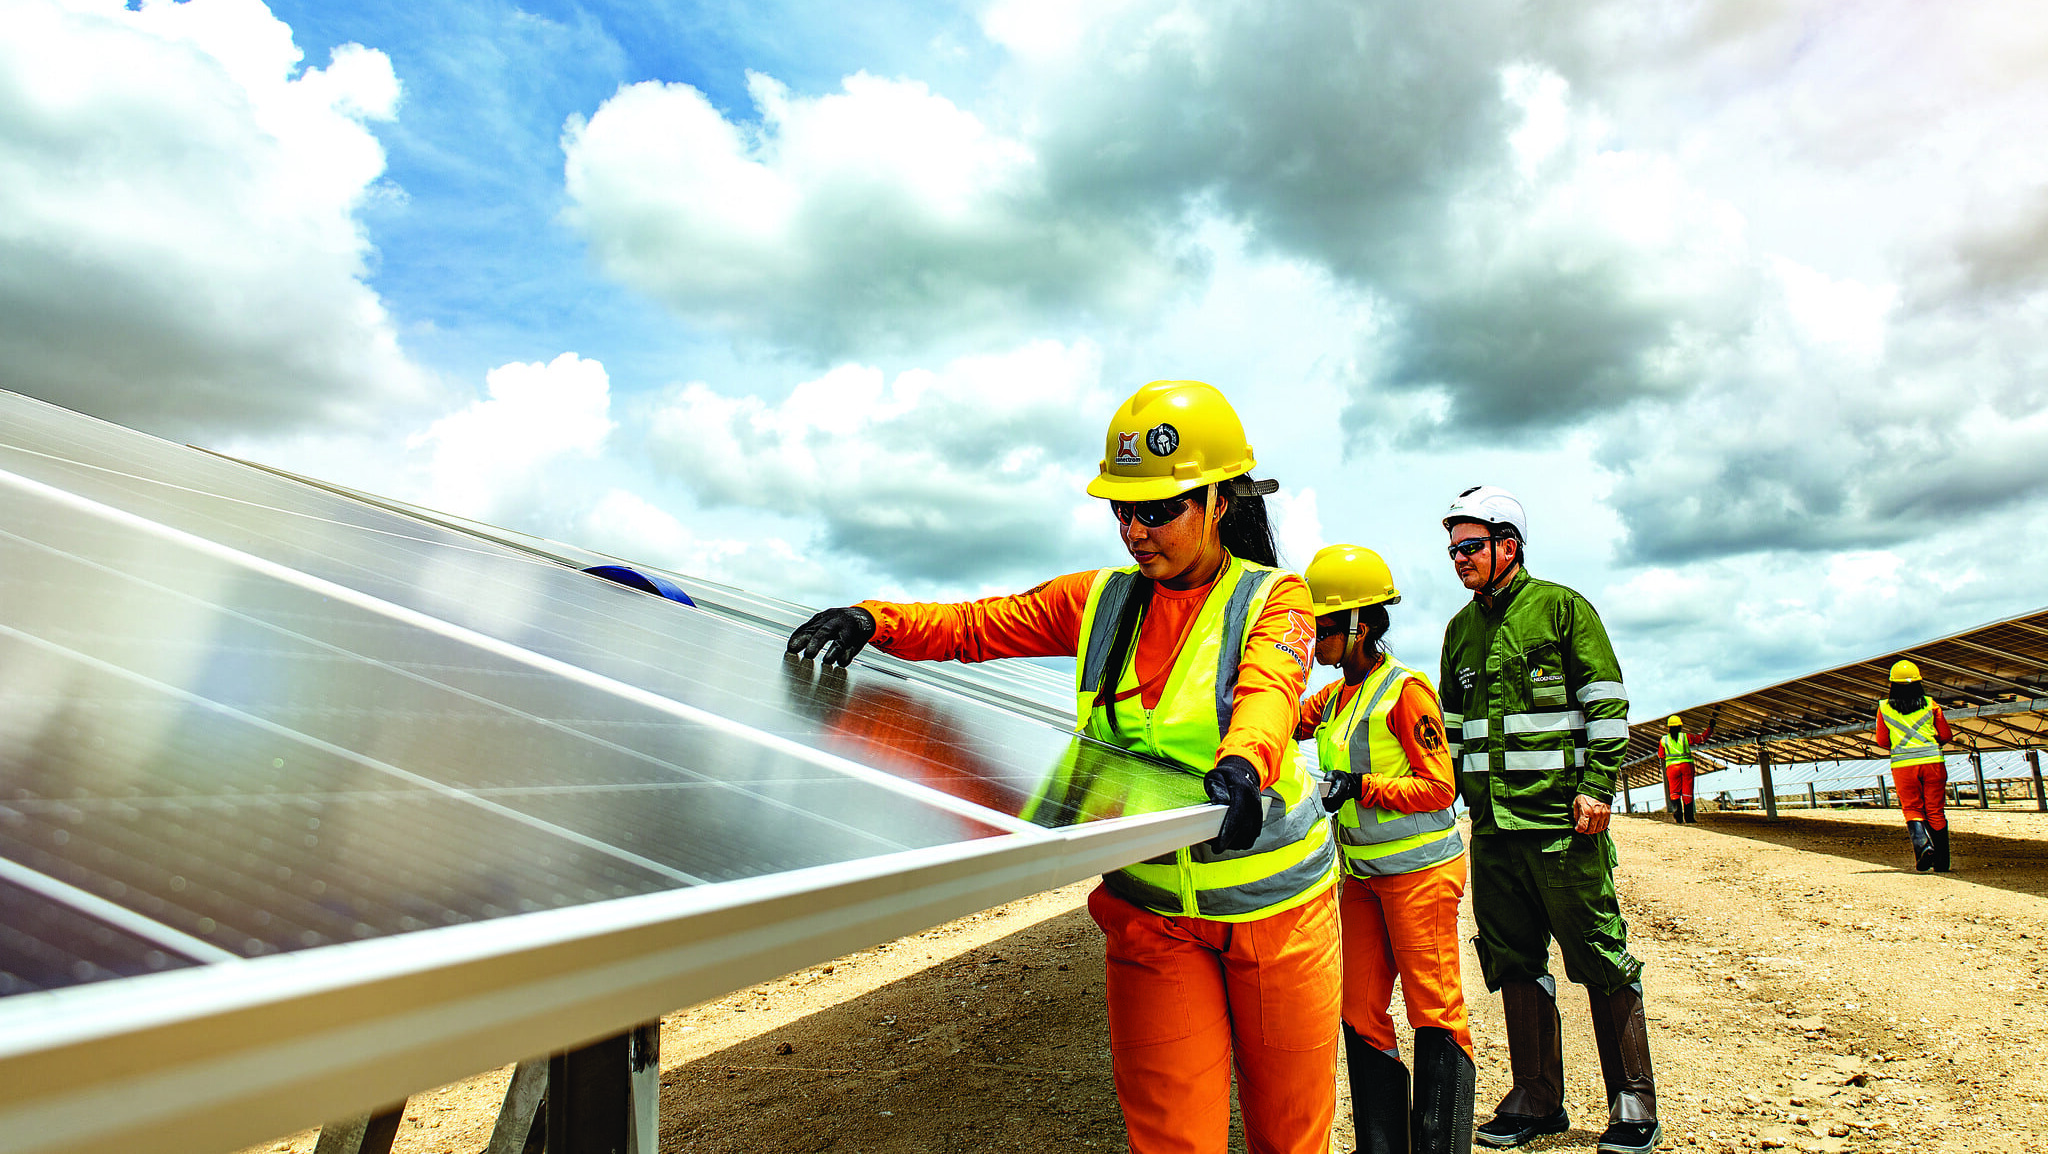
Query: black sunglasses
[1150,514]
[1332,624]
[1470,546]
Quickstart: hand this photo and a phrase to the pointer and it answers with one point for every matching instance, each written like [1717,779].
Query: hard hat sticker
[1127,448]
[1162,440]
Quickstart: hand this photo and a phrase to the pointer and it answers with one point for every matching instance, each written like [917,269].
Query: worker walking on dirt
[1220,953]
[1380,738]
[1911,728]
[1538,717]
[1677,750]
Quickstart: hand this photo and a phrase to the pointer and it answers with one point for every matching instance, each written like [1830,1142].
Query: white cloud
[873,216]
[967,474]
[489,457]
[628,525]
[178,245]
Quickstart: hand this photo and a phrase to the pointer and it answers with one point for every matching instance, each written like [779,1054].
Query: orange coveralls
[1923,789]
[1187,996]
[1406,924]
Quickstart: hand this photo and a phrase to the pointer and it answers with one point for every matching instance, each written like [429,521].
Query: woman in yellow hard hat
[1912,730]
[1676,746]
[1224,953]
[1380,735]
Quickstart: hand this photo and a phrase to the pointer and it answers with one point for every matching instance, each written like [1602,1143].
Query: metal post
[606,1097]
[1884,791]
[520,1128]
[2040,795]
[1983,795]
[363,1134]
[1812,798]
[1763,761]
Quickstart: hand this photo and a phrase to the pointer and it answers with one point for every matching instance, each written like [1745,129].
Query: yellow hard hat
[1171,436]
[1905,671]
[1675,723]
[1347,577]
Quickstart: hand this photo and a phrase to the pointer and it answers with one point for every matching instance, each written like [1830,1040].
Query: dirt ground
[1806,991]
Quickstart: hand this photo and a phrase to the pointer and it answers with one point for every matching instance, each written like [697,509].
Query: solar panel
[277,766]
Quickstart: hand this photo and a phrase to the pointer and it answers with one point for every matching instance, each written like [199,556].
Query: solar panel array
[242,716]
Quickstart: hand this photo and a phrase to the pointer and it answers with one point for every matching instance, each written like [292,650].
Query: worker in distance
[1911,730]
[1538,717]
[1379,737]
[1676,748]
[1197,653]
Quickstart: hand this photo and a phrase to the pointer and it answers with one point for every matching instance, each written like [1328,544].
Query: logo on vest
[1127,449]
[1163,440]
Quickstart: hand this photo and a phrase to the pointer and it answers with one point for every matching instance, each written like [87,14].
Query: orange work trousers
[1923,792]
[1187,996]
[1406,924]
[1678,782]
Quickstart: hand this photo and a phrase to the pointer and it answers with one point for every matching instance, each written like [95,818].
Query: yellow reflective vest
[1294,858]
[1677,749]
[1357,739]
[1915,740]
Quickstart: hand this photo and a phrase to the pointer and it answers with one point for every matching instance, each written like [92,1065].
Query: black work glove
[1338,789]
[1235,783]
[839,634]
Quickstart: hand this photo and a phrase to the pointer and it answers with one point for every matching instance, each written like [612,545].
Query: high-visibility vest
[1915,740]
[1376,841]
[1677,749]
[1294,859]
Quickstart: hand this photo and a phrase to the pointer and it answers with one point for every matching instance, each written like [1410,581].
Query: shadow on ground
[1003,1048]
[2001,860]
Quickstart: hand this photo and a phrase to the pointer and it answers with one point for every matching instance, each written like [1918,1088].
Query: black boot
[1940,839]
[1923,846]
[1445,1081]
[1692,817]
[1623,1038]
[1677,815]
[1535,1105]
[1379,1096]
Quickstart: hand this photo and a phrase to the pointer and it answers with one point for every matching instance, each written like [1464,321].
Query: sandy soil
[1806,991]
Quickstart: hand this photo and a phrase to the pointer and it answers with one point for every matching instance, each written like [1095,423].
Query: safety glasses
[1470,546]
[1150,514]
[1332,625]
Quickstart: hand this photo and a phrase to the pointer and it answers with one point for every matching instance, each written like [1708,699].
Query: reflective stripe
[1301,878]
[1474,763]
[1915,738]
[1235,615]
[1545,722]
[1453,720]
[1378,826]
[1476,728]
[1409,860]
[1281,828]
[1579,758]
[1520,760]
[1602,691]
[1108,608]
[1606,728]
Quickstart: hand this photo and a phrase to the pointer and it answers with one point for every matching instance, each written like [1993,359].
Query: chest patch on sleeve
[1429,733]
[1299,638]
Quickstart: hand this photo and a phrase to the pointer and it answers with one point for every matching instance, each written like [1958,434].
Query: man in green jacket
[1538,719]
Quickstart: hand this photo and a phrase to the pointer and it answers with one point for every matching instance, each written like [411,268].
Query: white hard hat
[1489,506]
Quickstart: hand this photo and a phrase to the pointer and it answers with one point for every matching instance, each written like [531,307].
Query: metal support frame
[520,1129]
[2040,795]
[1983,795]
[1812,797]
[1770,791]
[1884,790]
[363,1134]
[603,1098]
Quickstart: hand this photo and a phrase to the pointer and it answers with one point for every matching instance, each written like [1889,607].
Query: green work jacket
[1533,705]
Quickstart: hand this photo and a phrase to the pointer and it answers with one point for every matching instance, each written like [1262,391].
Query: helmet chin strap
[1493,554]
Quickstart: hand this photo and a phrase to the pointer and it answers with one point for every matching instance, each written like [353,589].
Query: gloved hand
[838,634]
[1235,783]
[1339,788]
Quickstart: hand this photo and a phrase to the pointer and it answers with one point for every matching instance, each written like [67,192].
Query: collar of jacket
[1497,604]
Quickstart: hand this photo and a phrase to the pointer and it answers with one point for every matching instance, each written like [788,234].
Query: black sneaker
[1514,1129]
[1630,1138]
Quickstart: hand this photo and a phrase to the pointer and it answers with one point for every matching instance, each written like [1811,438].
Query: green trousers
[1529,887]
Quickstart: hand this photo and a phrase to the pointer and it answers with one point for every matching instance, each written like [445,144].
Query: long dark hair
[1906,696]
[1244,528]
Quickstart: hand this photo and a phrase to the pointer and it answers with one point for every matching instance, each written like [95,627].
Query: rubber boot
[1940,840]
[1379,1096]
[1623,1038]
[1677,815]
[1445,1081]
[1692,816]
[1535,1105]
[1923,846]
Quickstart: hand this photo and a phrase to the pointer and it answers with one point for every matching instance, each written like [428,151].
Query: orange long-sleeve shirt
[1417,721]
[1046,622]
[1883,736]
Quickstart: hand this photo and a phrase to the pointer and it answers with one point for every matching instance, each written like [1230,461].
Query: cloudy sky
[1747,299]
